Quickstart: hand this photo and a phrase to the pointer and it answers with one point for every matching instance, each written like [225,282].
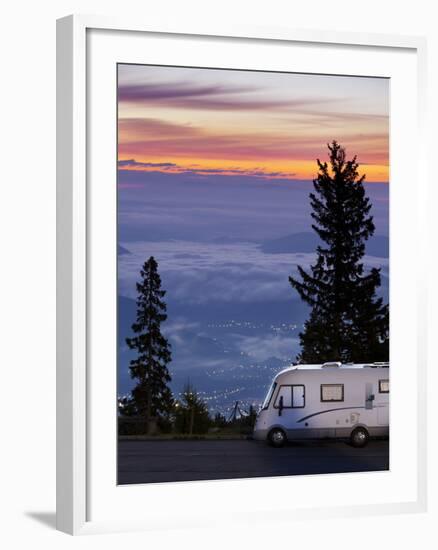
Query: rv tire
[277,438]
[359,437]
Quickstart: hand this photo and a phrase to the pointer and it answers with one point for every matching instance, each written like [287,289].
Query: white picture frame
[77,490]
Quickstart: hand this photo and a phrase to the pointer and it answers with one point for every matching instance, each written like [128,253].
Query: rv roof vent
[331,364]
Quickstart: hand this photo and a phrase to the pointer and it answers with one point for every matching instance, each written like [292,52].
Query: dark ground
[173,460]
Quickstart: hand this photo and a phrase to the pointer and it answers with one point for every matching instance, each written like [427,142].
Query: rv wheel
[277,437]
[359,437]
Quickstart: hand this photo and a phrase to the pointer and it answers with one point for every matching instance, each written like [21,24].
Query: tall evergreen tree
[151,395]
[347,322]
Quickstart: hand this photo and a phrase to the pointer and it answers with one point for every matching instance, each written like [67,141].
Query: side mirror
[280,406]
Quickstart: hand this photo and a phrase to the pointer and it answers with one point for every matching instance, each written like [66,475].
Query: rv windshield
[269,396]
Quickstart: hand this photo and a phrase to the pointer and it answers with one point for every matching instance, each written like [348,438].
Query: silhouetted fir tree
[151,396]
[347,322]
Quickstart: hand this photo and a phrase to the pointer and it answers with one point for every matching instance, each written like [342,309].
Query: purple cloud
[214,97]
[152,92]
[194,171]
[132,163]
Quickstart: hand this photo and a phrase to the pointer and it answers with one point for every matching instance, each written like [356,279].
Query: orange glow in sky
[269,125]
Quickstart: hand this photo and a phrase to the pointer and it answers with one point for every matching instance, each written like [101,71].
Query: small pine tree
[252,416]
[219,420]
[347,322]
[151,396]
[191,412]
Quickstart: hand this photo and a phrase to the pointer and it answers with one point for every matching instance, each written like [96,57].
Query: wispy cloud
[159,138]
[132,163]
[141,127]
[182,89]
[210,97]
[193,171]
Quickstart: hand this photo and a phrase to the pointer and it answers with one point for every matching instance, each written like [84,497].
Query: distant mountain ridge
[121,250]
[305,242]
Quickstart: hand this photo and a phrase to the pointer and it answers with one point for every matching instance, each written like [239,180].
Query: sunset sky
[259,124]
[214,177]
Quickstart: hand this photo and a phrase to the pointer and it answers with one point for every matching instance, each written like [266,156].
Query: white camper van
[331,400]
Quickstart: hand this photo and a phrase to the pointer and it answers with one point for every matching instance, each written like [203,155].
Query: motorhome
[331,400]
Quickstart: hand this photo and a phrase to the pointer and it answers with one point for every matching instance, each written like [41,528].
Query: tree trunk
[148,410]
[192,419]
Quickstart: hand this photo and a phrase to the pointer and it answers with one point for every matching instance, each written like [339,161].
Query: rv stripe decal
[327,411]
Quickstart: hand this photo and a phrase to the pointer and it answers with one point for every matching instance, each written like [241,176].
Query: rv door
[383,403]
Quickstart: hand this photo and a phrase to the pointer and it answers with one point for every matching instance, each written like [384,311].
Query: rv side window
[332,392]
[383,386]
[298,396]
[293,397]
[269,396]
[284,392]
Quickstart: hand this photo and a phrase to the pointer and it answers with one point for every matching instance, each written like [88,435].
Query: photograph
[252,273]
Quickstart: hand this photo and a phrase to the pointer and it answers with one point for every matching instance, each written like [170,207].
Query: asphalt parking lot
[181,460]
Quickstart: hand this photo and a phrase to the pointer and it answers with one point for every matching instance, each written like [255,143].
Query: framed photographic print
[240,294]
